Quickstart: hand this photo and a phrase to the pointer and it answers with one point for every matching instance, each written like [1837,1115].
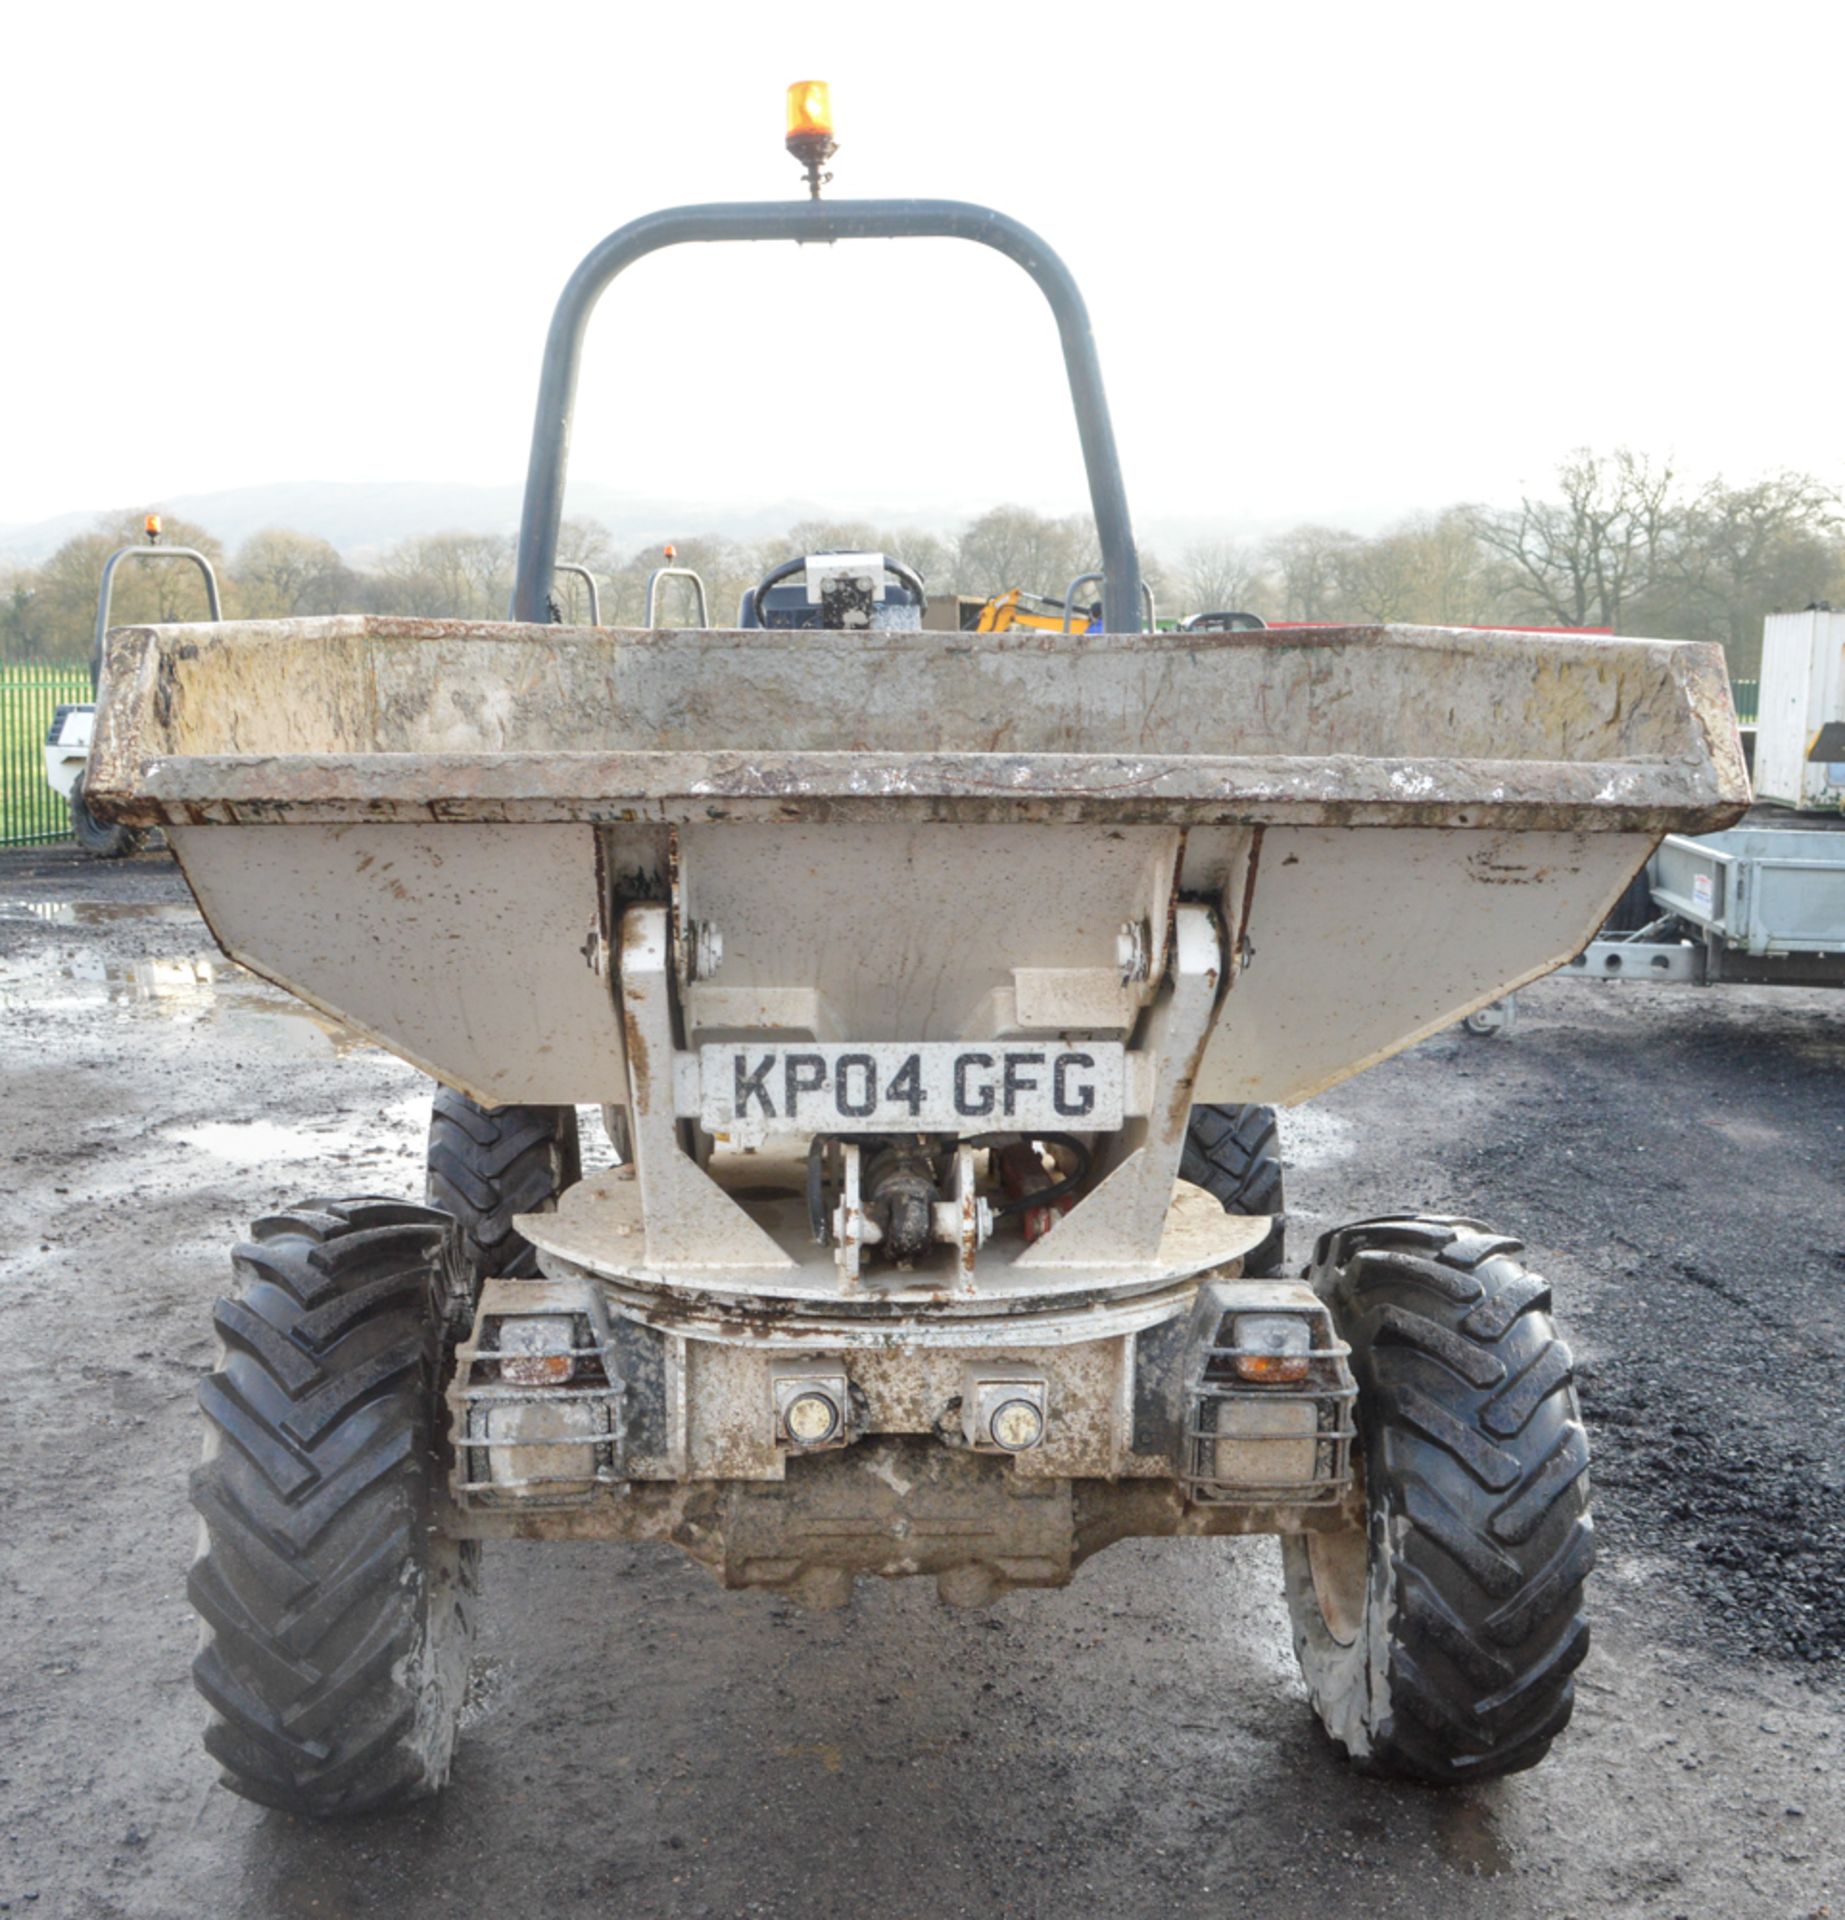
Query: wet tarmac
[640,1742]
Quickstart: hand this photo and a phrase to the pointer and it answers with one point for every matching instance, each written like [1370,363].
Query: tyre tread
[1234,1154]
[486,1165]
[315,1577]
[1468,1412]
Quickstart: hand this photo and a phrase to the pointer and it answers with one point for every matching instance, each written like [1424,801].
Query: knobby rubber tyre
[336,1618]
[96,836]
[1234,1154]
[487,1164]
[1438,1644]
[1634,909]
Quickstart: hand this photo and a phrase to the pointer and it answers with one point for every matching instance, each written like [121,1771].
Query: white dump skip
[431,829]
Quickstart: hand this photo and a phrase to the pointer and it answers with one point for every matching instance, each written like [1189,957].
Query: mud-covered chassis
[958,1321]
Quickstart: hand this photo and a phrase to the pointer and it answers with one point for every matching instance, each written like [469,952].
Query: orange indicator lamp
[810,130]
[810,110]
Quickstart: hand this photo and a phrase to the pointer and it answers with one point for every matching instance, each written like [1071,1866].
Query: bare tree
[931,556]
[1014,547]
[1586,558]
[1427,569]
[829,536]
[587,543]
[24,633]
[726,567]
[64,589]
[463,576]
[1383,579]
[1616,545]
[1313,564]
[1746,551]
[1221,576]
[280,573]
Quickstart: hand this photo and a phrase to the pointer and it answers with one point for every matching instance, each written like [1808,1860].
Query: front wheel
[95,836]
[336,1616]
[1439,1639]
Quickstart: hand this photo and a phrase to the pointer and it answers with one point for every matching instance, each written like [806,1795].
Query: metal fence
[1746,693]
[31,815]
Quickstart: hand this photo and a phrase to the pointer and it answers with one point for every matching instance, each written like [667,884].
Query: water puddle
[197,990]
[102,913]
[254,1143]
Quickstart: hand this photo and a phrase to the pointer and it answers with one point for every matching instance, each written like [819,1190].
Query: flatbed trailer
[1761,904]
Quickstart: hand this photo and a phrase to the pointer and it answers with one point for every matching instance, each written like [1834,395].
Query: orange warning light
[810,131]
[810,110]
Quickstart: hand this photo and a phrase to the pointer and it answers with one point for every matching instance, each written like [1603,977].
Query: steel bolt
[811,1419]
[1006,1412]
[812,1404]
[1016,1426]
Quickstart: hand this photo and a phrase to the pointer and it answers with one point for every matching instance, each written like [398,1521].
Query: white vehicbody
[765,888]
[67,748]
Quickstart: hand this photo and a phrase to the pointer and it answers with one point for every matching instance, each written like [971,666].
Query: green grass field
[30,813]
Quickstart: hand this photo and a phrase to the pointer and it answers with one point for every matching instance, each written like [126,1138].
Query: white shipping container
[1803,689]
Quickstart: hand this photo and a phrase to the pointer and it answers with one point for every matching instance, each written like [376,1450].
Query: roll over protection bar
[814,222]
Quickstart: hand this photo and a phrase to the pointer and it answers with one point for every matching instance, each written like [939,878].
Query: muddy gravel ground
[641,1742]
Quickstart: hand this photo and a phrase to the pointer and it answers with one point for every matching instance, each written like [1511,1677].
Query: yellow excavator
[1020,608]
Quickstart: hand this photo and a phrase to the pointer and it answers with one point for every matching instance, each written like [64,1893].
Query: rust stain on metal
[1493,866]
[1240,945]
[638,1061]
[1172,894]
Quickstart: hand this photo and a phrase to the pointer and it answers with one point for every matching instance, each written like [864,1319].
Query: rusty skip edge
[1704,675]
[678,788]
[402,628]
[136,778]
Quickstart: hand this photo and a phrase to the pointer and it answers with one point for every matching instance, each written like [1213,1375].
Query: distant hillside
[362,518]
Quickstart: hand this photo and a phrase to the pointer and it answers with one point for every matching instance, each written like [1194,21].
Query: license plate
[938,1087]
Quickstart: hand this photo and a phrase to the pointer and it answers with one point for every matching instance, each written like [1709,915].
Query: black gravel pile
[1699,1172]
[1754,1526]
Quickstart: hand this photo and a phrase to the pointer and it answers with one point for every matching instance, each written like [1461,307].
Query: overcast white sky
[1342,260]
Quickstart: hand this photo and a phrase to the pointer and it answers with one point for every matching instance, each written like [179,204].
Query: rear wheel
[1234,1153]
[337,1618]
[1634,909]
[487,1164]
[96,836]
[1438,1641]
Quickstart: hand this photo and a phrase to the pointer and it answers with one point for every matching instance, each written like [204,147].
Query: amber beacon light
[810,130]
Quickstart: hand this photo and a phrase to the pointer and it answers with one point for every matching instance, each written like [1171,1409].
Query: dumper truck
[899,963]
[69,737]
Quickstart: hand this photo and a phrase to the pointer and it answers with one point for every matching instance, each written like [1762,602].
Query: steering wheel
[907,577]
